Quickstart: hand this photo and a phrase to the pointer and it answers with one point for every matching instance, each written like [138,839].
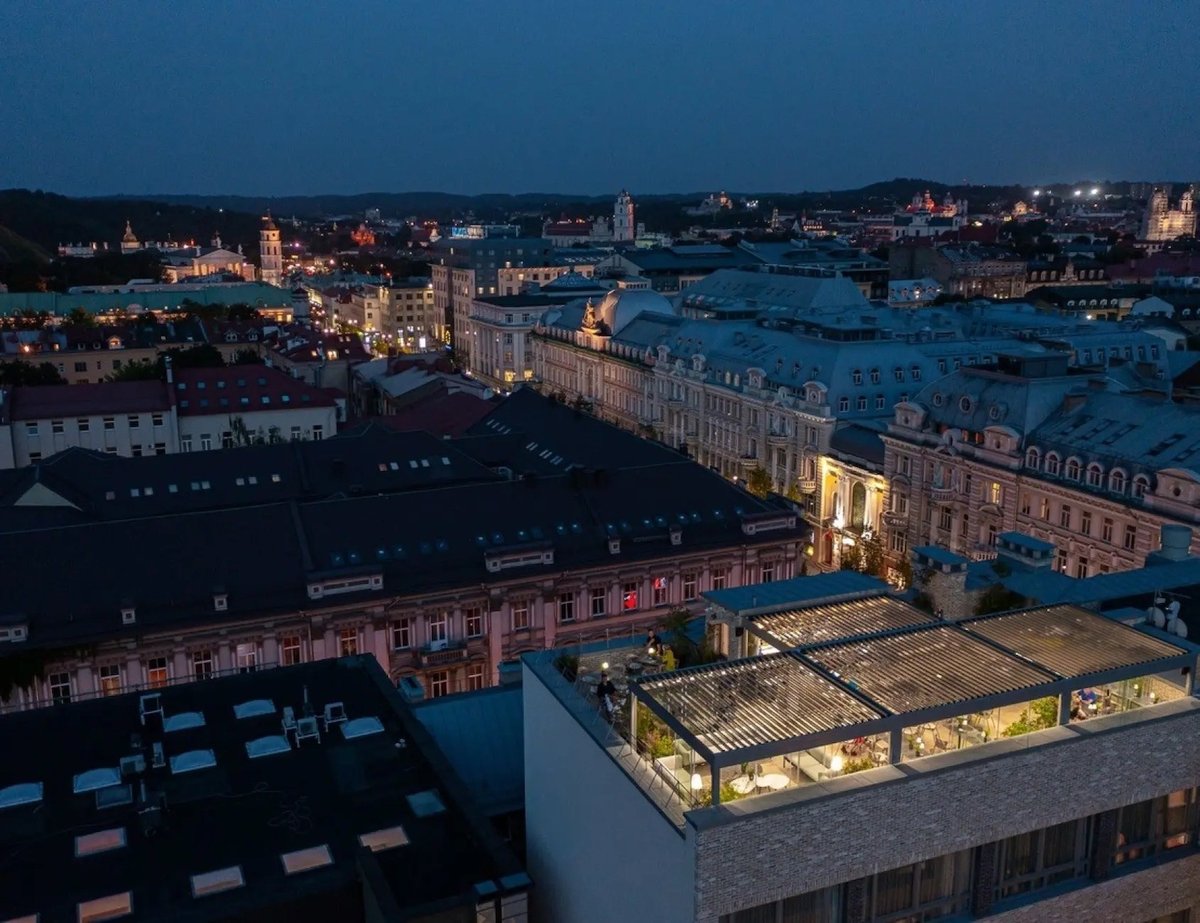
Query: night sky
[271,98]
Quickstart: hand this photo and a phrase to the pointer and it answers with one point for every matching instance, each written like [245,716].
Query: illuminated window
[437,627]
[629,597]
[996,493]
[156,672]
[347,642]
[520,614]
[290,651]
[110,679]
[662,588]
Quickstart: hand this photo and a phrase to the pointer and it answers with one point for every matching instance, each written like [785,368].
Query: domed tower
[270,252]
[623,226]
[129,242]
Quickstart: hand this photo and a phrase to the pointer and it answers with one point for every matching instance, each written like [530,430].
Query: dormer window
[128,615]
[220,602]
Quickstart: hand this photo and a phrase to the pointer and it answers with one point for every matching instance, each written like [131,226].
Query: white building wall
[612,856]
[192,430]
[125,434]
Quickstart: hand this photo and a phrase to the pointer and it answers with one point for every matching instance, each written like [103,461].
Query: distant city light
[1036,193]
[1078,192]
[1095,191]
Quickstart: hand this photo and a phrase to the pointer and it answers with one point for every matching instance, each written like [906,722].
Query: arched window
[857,376]
[1095,475]
[1052,464]
[1033,458]
[874,376]
[1141,484]
[1073,469]
[1116,481]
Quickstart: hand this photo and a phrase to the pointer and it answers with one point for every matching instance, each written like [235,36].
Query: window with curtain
[1041,858]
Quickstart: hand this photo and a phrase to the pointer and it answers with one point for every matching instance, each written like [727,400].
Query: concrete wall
[950,802]
[597,849]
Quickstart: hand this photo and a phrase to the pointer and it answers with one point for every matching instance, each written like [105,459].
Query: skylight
[361,727]
[95,779]
[387,838]
[101,841]
[21,793]
[183,721]
[192,760]
[267,746]
[216,881]
[254,708]
[303,860]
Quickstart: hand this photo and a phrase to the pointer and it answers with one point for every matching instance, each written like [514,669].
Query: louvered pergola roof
[837,620]
[746,703]
[1074,642]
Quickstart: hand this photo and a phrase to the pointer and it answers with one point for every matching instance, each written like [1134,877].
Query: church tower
[270,252]
[623,226]
[129,242]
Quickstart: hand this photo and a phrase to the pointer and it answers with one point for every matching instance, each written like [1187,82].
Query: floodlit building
[1161,222]
[878,765]
[305,794]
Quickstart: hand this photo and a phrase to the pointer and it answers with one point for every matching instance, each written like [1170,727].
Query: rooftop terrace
[861,681]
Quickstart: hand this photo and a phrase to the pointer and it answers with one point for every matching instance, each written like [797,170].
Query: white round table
[773,780]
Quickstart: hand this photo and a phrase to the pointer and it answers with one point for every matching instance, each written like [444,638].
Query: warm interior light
[697,782]
[604,666]
[836,763]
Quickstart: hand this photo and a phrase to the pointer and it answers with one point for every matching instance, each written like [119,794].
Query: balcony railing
[806,485]
[941,494]
[437,655]
[895,518]
[774,438]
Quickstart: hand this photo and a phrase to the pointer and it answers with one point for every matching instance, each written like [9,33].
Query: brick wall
[1140,896]
[946,803]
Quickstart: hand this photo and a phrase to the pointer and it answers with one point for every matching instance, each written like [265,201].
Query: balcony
[941,494]
[806,485]
[894,519]
[774,438]
[441,653]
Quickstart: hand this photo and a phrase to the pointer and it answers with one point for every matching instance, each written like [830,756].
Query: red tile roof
[42,402]
[242,388]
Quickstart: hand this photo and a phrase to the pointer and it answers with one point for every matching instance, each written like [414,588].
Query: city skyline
[670,99]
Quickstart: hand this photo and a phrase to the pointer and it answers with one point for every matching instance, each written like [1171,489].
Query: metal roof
[789,594]
[747,703]
[835,621]
[1072,641]
[926,669]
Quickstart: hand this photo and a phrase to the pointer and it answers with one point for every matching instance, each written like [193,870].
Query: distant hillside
[15,249]
[46,220]
[448,206]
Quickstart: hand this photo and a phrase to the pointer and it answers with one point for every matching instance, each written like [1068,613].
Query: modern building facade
[814,783]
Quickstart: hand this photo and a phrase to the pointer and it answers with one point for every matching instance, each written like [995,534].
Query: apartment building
[194,410]
[1027,446]
[464,268]
[442,558]
[857,760]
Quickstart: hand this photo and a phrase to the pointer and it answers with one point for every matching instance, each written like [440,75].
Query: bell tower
[623,226]
[270,252]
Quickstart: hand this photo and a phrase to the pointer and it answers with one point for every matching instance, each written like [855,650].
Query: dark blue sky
[532,95]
